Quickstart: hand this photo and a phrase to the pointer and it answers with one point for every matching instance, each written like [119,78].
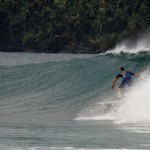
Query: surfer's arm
[115,79]
[113,83]
[134,74]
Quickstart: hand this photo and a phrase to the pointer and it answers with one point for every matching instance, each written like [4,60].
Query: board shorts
[125,84]
[126,81]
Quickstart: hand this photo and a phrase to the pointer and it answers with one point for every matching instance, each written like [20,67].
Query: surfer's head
[121,68]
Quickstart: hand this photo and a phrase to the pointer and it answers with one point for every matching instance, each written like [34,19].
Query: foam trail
[73,148]
[56,148]
[99,111]
[129,46]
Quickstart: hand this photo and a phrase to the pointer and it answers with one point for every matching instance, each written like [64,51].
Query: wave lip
[133,47]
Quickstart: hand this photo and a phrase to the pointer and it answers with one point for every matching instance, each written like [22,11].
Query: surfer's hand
[137,75]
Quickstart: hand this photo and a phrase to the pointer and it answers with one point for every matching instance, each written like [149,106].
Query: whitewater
[65,101]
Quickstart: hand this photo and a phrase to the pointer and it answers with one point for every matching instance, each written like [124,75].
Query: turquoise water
[64,101]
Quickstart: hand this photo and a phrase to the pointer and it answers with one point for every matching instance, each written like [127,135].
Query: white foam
[99,111]
[126,46]
[59,148]
[136,108]
[74,148]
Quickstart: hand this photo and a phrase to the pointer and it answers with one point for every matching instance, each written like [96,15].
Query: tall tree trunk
[12,35]
[24,30]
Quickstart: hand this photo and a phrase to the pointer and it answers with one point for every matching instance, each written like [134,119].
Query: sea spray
[132,46]
[136,108]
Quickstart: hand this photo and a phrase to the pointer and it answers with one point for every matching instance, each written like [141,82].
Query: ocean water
[65,101]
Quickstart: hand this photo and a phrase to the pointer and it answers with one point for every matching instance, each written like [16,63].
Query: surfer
[126,79]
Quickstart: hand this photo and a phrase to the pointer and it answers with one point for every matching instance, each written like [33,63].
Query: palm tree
[133,23]
[97,25]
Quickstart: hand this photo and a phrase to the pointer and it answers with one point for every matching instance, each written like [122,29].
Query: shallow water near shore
[74,135]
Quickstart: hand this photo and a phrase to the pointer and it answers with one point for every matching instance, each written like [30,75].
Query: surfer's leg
[130,83]
[119,92]
[122,85]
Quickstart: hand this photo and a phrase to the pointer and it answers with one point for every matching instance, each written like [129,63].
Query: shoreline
[77,50]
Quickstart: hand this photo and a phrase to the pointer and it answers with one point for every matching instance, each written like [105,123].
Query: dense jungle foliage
[72,26]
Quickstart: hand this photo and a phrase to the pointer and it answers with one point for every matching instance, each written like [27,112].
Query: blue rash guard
[126,78]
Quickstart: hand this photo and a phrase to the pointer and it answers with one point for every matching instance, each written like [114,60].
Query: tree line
[74,26]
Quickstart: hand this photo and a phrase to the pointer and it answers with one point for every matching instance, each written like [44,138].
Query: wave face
[42,87]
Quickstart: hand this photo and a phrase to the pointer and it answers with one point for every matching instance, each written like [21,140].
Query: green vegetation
[74,26]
